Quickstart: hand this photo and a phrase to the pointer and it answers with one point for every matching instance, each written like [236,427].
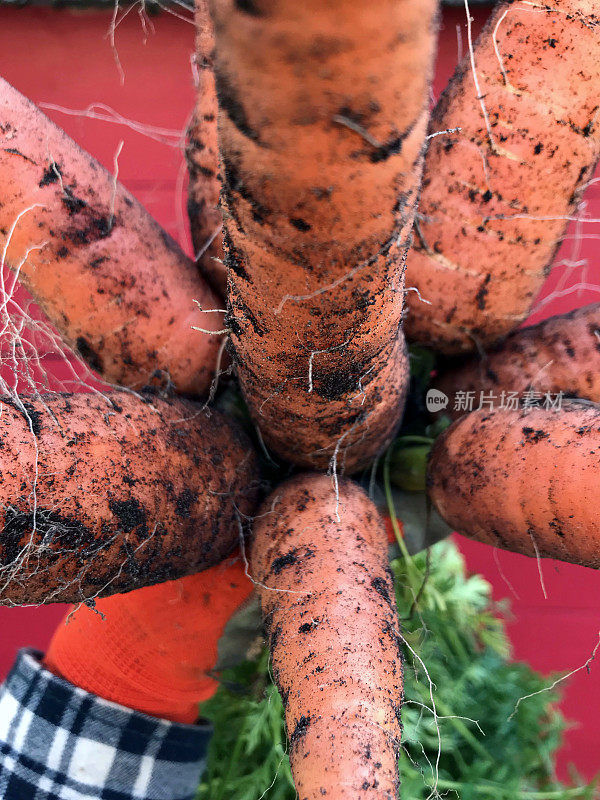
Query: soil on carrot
[164,500]
[462,667]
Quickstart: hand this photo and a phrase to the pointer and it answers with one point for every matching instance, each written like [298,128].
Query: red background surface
[63,57]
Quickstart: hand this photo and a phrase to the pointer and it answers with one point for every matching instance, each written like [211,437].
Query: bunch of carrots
[322,190]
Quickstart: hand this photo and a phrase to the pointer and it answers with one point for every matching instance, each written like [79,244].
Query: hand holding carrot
[153,649]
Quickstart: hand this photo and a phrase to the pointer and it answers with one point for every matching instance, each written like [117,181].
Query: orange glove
[153,649]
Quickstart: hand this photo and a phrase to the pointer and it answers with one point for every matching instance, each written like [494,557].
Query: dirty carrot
[116,286]
[498,193]
[104,494]
[322,118]
[524,480]
[202,155]
[321,566]
[559,355]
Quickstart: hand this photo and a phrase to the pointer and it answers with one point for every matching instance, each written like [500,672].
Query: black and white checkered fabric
[58,742]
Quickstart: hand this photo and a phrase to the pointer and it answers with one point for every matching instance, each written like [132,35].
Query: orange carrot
[322,121]
[523,480]
[202,155]
[115,285]
[497,195]
[104,494]
[559,355]
[328,601]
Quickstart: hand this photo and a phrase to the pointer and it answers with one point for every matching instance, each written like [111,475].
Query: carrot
[498,194]
[115,285]
[328,603]
[523,480]
[202,155]
[559,355]
[104,494]
[322,121]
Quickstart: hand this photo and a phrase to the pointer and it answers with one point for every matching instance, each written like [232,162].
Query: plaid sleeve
[58,742]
